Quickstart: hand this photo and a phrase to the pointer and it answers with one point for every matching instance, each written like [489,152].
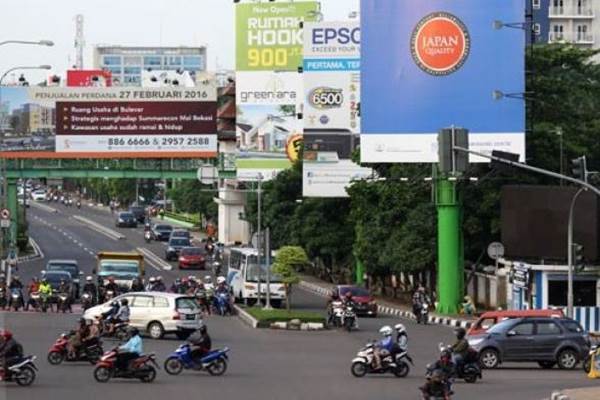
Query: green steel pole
[450,266]
[13,207]
[360,272]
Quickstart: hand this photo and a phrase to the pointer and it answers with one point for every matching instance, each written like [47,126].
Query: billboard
[433,64]
[89,77]
[269,35]
[115,122]
[331,108]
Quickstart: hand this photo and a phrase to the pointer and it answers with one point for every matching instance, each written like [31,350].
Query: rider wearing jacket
[130,350]
[418,300]
[16,284]
[137,285]
[460,349]
[384,346]
[33,287]
[200,343]
[11,351]
[160,285]
[111,285]
[90,287]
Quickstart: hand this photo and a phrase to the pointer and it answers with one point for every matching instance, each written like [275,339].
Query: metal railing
[574,12]
[571,37]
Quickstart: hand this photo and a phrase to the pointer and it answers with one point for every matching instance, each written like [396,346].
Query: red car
[365,303]
[192,257]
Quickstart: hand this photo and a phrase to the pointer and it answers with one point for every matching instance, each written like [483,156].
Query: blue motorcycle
[222,303]
[214,362]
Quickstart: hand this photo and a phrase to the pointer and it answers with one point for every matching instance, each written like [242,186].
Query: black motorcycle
[3,301]
[87,300]
[63,302]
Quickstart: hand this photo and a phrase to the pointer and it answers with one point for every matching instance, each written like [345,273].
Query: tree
[288,259]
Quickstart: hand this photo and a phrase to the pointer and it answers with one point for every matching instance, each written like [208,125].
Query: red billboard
[89,77]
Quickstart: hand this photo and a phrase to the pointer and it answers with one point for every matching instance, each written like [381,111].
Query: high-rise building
[538,12]
[126,63]
[573,21]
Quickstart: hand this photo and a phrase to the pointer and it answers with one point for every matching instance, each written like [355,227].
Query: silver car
[157,313]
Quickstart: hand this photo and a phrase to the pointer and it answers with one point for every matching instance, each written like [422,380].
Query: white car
[38,195]
[157,313]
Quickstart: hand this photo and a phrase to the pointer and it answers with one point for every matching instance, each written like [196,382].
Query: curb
[433,319]
[305,326]
[245,317]
[99,228]
[37,253]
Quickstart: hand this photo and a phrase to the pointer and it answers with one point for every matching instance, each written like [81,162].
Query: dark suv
[547,341]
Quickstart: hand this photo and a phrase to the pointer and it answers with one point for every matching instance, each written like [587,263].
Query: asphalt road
[265,364]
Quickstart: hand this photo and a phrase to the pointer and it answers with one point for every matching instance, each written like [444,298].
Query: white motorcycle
[362,364]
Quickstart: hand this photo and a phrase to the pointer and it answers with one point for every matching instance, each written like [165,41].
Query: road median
[154,260]
[99,228]
[257,317]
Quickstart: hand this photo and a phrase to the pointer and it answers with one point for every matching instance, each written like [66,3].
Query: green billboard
[269,35]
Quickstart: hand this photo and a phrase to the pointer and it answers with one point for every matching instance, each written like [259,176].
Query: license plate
[190,317]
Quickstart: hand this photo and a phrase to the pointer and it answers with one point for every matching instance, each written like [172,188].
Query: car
[38,195]
[547,341]
[139,213]
[491,318]
[174,247]
[365,303]
[192,257]
[157,313]
[72,268]
[125,219]
[161,232]
[181,233]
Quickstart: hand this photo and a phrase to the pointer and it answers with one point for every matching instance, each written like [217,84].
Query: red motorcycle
[142,368]
[90,350]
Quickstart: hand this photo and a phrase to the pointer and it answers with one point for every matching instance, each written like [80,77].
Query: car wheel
[489,358]
[567,359]
[156,330]
[547,364]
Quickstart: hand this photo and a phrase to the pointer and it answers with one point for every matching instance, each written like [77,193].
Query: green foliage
[192,197]
[289,258]
[266,317]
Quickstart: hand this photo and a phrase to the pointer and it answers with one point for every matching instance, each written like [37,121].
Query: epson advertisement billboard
[433,64]
[331,108]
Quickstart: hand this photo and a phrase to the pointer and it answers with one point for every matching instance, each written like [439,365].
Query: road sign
[495,250]
[5,213]
[520,275]
[4,223]
[207,174]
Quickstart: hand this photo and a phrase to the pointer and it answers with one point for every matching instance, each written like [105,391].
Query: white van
[244,275]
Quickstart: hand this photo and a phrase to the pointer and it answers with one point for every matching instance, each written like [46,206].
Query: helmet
[221,279]
[6,334]
[460,333]
[152,279]
[159,278]
[386,331]
[114,303]
[134,331]
[207,279]
[88,278]
[203,328]
[400,328]
[81,321]
[348,294]
[124,302]
[111,279]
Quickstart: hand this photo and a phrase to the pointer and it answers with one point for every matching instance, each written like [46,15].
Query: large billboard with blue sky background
[432,64]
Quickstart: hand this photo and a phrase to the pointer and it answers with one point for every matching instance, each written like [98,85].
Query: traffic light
[578,261]
[451,160]
[579,168]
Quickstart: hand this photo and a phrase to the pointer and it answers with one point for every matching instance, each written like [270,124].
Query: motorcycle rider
[435,386]
[45,291]
[383,347]
[90,287]
[122,315]
[16,284]
[348,300]
[200,343]
[76,339]
[65,288]
[151,284]
[111,285]
[137,285]
[3,288]
[110,314]
[333,297]
[418,300]
[11,352]
[129,351]
[401,337]
[460,349]
[33,287]
[160,285]
[176,286]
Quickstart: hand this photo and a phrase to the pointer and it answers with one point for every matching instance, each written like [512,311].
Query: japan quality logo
[440,44]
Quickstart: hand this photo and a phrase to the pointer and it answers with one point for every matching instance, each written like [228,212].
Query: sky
[123,22]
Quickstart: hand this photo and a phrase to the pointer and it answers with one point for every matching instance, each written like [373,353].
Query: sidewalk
[577,394]
[385,306]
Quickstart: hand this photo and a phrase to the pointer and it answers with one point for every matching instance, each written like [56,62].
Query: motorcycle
[16,299]
[78,205]
[88,351]
[3,301]
[45,302]
[362,364]
[22,372]
[470,369]
[70,202]
[120,330]
[587,363]
[216,265]
[148,236]
[337,313]
[423,314]
[86,300]
[436,390]
[222,303]
[202,299]
[63,302]
[142,368]
[349,318]
[214,362]
[34,300]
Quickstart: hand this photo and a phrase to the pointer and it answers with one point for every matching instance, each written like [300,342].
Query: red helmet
[6,334]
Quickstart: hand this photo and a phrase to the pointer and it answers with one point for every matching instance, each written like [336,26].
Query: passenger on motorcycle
[384,347]
[137,285]
[200,343]
[109,315]
[401,337]
[460,349]
[348,300]
[76,339]
[151,284]
[130,350]
[90,288]
[11,352]
[33,287]
[160,285]
[122,315]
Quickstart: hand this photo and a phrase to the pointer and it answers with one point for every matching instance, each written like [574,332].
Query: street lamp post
[570,254]
[559,133]
[258,233]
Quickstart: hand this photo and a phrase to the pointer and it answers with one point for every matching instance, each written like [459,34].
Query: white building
[574,21]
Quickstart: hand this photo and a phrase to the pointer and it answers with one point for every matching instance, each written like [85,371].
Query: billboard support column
[450,265]
[13,207]
[360,272]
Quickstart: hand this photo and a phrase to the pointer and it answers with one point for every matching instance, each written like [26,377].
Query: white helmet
[207,279]
[88,278]
[221,279]
[400,328]
[152,279]
[386,331]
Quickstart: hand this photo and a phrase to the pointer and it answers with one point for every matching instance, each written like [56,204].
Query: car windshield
[356,291]
[164,228]
[179,242]
[136,210]
[192,251]
[54,279]
[253,271]
[186,303]
[70,268]
[121,269]
[181,233]
[126,215]
[502,326]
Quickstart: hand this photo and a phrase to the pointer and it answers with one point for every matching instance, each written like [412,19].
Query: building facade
[538,11]
[126,63]
[574,21]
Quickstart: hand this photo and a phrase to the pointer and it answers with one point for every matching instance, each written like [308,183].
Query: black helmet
[124,302]
[81,321]
[203,329]
[134,331]
[460,333]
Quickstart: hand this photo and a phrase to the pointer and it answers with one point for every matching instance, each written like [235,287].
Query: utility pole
[258,238]
[268,263]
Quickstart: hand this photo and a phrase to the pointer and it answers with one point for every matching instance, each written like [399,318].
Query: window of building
[114,70]
[536,4]
[584,293]
[152,61]
[132,70]
[132,60]
[111,60]
[131,79]
[192,61]
[537,28]
[174,61]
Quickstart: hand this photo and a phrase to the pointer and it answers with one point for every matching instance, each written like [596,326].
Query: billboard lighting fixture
[473,179]
[515,25]
[499,95]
